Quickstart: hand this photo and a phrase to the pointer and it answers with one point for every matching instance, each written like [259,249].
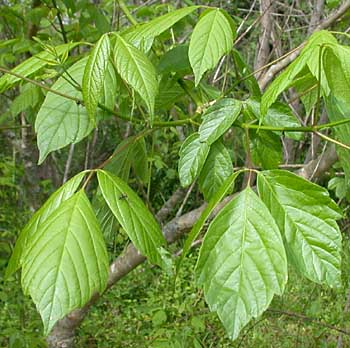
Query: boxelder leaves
[133,216]
[309,56]
[217,168]
[137,70]
[142,36]
[242,262]
[66,261]
[62,121]
[33,64]
[193,154]
[31,228]
[306,215]
[212,37]
[218,119]
[94,74]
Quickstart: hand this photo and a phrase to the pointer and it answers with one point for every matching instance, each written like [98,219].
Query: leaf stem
[127,13]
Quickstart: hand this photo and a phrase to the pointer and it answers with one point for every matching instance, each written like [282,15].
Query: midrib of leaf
[149,97]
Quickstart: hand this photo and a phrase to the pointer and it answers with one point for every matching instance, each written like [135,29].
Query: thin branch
[306,318]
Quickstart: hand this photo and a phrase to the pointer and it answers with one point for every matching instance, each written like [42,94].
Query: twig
[68,163]
[306,318]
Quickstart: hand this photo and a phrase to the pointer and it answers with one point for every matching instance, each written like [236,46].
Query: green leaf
[278,115]
[309,56]
[212,37]
[137,70]
[307,217]
[175,60]
[133,216]
[338,110]
[266,149]
[33,64]
[193,154]
[105,217]
[242,262]
[218,119]
[30,230]
[94,74]
[140,160]
[337,69]
[226,187]
[217,168]
[244,71]
[131,152]
[306,86]
[110,91]
[66,261]
[142,36]
[30,97]
[62,121]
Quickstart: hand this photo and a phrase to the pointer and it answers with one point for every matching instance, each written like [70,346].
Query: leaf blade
[239,282]
[306,216]
[212,37]
[94,74]
[133,216]
[67,262]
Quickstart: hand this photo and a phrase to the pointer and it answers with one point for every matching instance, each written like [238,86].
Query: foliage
[144,83]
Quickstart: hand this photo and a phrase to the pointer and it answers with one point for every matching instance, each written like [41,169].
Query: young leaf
[33,64]
[218,119]
[278,115]
[133,216]
[175,60]
[337,70]
[217,168]
[193,154]
[137,70]
[94,74]
[142,36]
[66,261]
[62,121]
[212,37]
[306,215]
[243,71]
[29,231]
[30,97]
[309,56]
[242,262]
[266,149]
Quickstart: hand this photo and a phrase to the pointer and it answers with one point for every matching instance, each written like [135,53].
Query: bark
[263,52]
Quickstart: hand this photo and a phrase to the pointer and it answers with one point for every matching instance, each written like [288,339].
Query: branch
[276,68]
[62,335]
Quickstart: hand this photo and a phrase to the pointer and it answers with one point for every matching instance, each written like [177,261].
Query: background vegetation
[145,309]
